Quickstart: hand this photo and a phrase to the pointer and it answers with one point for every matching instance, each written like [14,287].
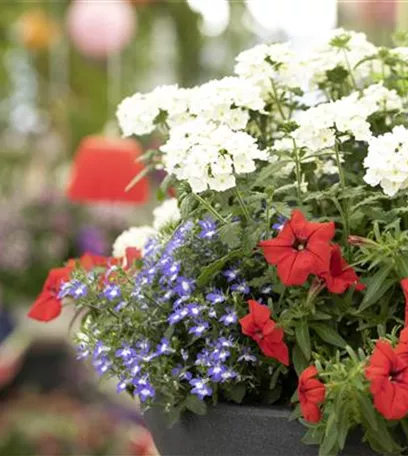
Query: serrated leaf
[377,287]
[231,234]
[328,334]
[195,405]
[303,338]
[188,204]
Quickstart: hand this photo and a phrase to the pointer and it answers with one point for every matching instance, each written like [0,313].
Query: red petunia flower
[258,325]
[311,393]
[48,306]
[404,285]
[300,249]
[388,376]
[340,275]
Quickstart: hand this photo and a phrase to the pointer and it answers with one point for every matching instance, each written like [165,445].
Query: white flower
[168,212]
[209,155]
[264,63]
[387,161]
[136,115]
[133,237]
[326,57]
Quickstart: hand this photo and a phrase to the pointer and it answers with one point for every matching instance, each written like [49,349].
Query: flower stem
[353,80]
[345,209]
[210,209]
[243,206]
[278,104]
[298,171]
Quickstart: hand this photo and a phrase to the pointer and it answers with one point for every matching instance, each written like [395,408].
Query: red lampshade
[102,169]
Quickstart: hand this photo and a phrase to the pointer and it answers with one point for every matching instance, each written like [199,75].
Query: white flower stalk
[387,161]
[133,237]
[166,213]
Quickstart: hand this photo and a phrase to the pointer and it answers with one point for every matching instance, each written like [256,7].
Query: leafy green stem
[243,205]
[210,209]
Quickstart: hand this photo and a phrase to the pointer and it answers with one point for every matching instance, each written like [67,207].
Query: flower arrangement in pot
[281,280]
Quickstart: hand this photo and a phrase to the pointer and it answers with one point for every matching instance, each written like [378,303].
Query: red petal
[311,412]
[46,307]
[278,351]
[295,268]
[248,326]
[55,277]
[260,313]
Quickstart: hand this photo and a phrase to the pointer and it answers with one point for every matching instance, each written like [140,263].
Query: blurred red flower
[388,376]
[311,393]
[104,167]
[300,249]
[258,325]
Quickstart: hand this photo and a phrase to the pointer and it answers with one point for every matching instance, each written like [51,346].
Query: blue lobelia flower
[112,292]
[216,371]
[178,315]
[200,387]
[231,274]
[215,297]
[208,229]
[241,287]
[199,329]
[280,224]
[229,318]
[247,355]
[163,348]
[184,287]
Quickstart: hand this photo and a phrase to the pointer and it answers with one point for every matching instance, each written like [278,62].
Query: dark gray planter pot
[232,430]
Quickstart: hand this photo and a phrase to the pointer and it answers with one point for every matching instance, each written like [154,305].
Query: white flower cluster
[168,212]
[136,236]
[387,161]
[328,57]
[208,155]
[265,63]
[137,115]
[318,125]
[226,101]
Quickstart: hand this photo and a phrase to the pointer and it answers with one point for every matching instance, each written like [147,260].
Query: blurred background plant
[65,65]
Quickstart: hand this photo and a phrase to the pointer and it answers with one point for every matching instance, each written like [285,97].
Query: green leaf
[328,334]
[188,204]
[367,411]
[343,425]
[173,415]
[303,338]
[329,445]
[236,393]
[209,271]
[377,287]
[299,360]
[168,334]
[196,405]
[251,237]
[231,234]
